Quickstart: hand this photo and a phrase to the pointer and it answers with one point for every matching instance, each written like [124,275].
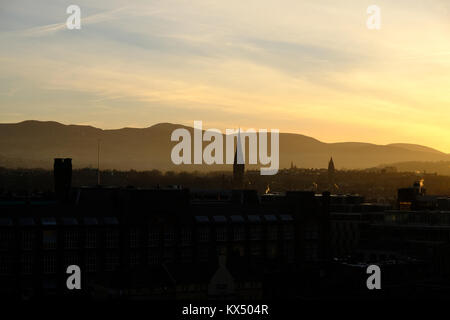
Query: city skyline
[311,68]
[218,158]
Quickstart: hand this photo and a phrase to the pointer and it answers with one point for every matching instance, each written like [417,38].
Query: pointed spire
[331,175]
[239,164]
[331,165]
[238,155]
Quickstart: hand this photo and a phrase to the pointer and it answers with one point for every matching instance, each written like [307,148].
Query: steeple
[238,165]
[331,173]
[331,166]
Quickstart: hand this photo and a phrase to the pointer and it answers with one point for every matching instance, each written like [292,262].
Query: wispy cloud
[92,19]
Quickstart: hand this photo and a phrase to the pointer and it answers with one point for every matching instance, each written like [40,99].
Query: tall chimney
[62,173]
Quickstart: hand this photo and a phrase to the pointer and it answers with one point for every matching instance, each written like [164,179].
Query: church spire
[331,175]
[331,167]
[239,164]
[238,155]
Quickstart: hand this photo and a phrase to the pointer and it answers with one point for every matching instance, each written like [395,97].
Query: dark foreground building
[176,243]
[160,243]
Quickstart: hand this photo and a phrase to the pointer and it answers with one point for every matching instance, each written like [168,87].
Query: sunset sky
[309,67]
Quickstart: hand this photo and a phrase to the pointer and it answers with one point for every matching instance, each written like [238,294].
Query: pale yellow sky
[310,67]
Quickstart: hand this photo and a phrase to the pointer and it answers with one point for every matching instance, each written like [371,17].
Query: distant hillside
[35,144]
[440,167]
[416,147]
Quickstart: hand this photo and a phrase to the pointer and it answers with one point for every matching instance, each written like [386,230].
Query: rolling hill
[34,144]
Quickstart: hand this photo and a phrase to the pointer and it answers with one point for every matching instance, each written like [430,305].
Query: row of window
[154,256]
[49,263]
[71,239]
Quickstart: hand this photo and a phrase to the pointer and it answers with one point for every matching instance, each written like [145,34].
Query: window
[91,239]
[49,263]
[221,234]
[49,239]
[239,233]
[221,250]
[169,254]
[153,257]
[26,263]
[289,251]
[255,249]
[186,237]
[186,255]
[203,253]
[71,259]
[6,266]
[134,259]
[6,240]
[134,237]
[153,238]
[239,250]
[272,250]
[169,237]
[312,233]
[311,252]
[255,232]
[91,262]
[272,233]
[288,232]
[70,239]
[112,261]
[203,234]
[28,238]
[112,239]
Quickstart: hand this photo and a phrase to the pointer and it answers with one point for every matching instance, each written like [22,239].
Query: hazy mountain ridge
[35,143]
[439,167]
[415,147]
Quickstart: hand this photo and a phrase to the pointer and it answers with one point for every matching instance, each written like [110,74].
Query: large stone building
[156,243]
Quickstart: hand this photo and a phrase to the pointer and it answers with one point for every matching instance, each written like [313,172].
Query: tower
[238,165]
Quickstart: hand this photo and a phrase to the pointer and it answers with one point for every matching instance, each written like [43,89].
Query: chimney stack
[62,173]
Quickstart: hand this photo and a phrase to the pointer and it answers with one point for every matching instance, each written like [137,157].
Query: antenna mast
[98,162]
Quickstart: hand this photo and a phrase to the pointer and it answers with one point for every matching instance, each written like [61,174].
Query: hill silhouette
[34,144]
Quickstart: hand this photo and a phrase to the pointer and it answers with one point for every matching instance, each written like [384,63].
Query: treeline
[375,186]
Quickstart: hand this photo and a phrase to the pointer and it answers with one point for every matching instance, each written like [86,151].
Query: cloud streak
[114,14]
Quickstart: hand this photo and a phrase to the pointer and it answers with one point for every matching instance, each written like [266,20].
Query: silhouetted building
[117,235]
[420,235]
[414,235]
[415,198]
[172,243]
[348,216]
